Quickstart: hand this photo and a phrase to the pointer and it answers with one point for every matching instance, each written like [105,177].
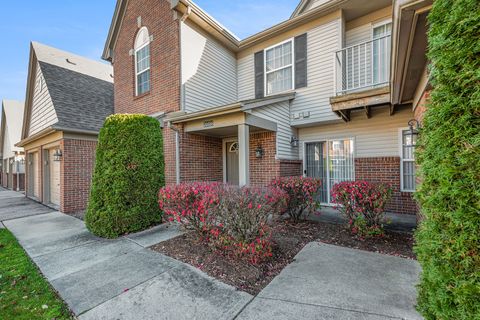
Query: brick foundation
[386,170]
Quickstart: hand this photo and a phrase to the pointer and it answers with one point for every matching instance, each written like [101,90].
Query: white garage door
[54,182]
[34,169]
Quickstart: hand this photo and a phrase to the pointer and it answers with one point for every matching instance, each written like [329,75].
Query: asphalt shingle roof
[81,102]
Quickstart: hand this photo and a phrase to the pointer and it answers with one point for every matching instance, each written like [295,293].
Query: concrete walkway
[123,279]
[331,282]
[15,205]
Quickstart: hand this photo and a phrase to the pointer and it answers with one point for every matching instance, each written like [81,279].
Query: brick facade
[164,94]
[386,170]
[76,172]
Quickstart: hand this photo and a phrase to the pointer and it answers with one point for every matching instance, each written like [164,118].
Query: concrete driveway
[123,279]
[15,205]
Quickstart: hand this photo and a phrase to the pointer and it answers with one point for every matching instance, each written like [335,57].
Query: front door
[232,162]
[54,178]
[331,161]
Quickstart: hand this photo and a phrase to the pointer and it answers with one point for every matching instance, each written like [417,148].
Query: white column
[243,155]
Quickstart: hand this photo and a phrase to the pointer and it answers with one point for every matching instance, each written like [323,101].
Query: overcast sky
[81,26]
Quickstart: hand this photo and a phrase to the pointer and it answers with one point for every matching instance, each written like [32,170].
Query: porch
[229,144]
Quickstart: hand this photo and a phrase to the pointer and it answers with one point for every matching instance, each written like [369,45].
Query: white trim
[402,160]
[292,65]
[135,50]
[327,140]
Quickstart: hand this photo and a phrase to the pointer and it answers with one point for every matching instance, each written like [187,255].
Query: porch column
[243,155]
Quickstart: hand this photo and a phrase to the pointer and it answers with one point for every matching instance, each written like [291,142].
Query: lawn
[24,293]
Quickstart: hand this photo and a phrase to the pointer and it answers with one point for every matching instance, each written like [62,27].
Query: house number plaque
[208,123]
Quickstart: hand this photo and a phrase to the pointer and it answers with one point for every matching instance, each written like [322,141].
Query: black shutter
[301,61]
[259,76]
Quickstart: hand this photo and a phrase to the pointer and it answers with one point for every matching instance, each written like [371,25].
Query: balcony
[362,76]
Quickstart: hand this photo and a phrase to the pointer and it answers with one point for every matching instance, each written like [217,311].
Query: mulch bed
[289,238]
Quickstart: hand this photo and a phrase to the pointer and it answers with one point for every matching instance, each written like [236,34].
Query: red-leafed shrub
[301,195]
[191,204]
[243,216]
[231,219]
[363,204]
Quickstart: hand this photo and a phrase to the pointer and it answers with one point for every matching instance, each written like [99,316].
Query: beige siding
[359,34]
[209,71]
[279,113]
[246,78]
[322,42]
[314,4]
[43,113]
[374,137]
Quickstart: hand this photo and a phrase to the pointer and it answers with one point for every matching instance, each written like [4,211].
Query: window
[407,165]
[142,62]
[279,68]
[331,161]
[381,53]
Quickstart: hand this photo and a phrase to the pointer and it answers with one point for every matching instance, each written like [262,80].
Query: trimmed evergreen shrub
[129,170]
[448,239]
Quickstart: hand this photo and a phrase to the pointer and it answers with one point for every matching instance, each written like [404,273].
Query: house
[12,157]
[328,93]
[67,100]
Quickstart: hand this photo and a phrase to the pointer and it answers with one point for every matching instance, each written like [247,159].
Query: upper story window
[279,68]
[142,62]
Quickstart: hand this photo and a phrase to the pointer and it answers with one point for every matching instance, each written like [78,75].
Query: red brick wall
[386,170]
[164,93]
[21,181]
[422,106]
[76,172]
[264,169]
[200,158]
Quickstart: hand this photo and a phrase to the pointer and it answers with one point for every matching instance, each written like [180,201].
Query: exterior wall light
[414,126]
[57,156]
[259,152]
[294,142]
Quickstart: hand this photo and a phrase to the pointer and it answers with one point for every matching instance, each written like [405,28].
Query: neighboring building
[68,98]
[313,95]
[12,157]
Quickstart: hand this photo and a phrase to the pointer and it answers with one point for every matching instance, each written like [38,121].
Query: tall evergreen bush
[129,171]
[448,239]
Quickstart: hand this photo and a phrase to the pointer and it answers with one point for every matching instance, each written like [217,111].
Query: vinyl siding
[314,4]
[209,71]
[43,113]
[374,137]
[279,113]
[358,35]
[322,42]
[246,78]
[7,151]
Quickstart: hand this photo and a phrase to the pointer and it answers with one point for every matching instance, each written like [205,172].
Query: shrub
[192,205]
[129,170]
[231,219]
[363,204]
[243,217]
[301,193]
[448,239]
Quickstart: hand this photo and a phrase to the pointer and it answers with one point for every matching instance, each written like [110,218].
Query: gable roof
[81,89]
[11,120]
[207,22]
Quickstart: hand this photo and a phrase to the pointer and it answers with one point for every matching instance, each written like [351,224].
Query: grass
[24,292]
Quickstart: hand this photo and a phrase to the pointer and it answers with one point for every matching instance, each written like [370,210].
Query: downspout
[177,151]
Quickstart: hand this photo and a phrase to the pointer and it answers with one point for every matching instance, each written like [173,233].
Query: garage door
[54,182]
[34,170]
